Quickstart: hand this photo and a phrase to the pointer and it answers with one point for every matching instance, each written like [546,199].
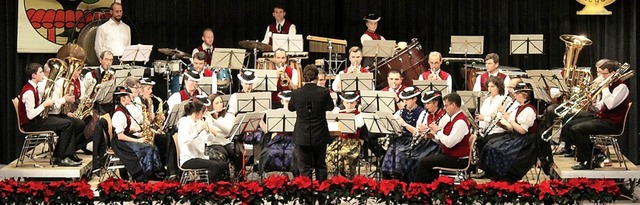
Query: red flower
[339,180]
[387,186]
[301,182]
[275,183]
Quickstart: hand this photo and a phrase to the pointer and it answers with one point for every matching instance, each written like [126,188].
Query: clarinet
[416,140]
[494,119]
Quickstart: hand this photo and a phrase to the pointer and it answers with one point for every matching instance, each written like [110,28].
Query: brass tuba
[74,65]
[574,77]
[59,69]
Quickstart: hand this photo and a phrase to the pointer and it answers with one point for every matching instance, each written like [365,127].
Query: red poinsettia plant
[115,190]
[389,191]
[34,192]
[274,188]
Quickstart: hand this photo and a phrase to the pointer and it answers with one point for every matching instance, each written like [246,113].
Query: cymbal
[248,44]
[174,52]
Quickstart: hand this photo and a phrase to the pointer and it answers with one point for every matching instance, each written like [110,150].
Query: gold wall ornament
[594,7]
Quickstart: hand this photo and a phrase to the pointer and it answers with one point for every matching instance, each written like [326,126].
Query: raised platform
[40,168]
[562,169]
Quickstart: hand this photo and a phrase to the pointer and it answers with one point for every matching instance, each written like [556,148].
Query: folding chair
[605,140]
[33,139]
[112,162]
[189,174]
[463,173]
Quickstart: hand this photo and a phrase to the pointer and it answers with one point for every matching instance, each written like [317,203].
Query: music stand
[470,117]
[266,80]
[225,100]
[346,123]
[105,94]
[207,84]
[470,98]
[228,58]
[246,122]
[334,96]
[550,79]
[378,101]
[174,116]
[325,45]
[439,85]
[280,121]
[121,75]
[253,102]
[539,91]
[526,44]
[466,45]
[356,81]
[288,42]
[378,49]
[137,53]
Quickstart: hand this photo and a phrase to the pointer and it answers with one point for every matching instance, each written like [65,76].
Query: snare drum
[160,66]
[224,77]
[174,66]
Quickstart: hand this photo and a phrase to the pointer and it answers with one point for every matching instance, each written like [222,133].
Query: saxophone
[147,132]
[86,105]
[158,122]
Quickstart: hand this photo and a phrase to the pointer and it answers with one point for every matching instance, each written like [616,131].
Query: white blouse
[223,126]
[489,109]
[190,141]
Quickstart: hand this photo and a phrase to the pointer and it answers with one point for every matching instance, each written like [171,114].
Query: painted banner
[45,25]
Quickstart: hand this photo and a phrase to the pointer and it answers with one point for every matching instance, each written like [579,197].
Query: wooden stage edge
[40,168]
[562,169]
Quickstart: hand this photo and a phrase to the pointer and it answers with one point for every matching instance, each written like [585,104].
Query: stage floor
[40,169]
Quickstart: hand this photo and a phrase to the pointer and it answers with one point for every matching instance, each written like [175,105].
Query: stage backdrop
[178,24]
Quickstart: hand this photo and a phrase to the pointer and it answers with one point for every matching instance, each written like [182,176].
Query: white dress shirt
[267,34]
[190,141]
[366,37]
[112,36]
[478,87]
[223,127]
[458,131]
[29,101]
[119,122]
[449,81]
[612,99]
[58,95]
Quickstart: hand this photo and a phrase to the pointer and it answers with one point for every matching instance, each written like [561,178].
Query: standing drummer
[371,21]
[206,46]
[491,62]
[281,25]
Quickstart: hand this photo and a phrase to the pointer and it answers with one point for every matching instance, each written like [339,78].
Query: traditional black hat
[285,95]
[146,81]
[409,92]
[121,90]
[349,96]
[203,99]
[195,76]
[247,76]
[431,95]
[371,17]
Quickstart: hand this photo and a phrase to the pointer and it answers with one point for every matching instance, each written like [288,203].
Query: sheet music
[439,85]
[378,101]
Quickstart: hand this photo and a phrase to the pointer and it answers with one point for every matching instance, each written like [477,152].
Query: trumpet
[284,78]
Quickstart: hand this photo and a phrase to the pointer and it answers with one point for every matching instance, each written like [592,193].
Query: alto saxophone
[147,132]
[158,122]
[86,105]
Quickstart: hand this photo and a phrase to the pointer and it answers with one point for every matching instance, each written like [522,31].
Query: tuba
[59,69]
[574,77]
[74,65]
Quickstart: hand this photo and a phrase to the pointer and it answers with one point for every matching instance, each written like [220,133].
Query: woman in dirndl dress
[343,152]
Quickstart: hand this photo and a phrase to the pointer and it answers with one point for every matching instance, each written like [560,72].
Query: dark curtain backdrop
[178,24]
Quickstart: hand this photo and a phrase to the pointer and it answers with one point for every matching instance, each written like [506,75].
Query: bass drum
[410,61]
[87,40]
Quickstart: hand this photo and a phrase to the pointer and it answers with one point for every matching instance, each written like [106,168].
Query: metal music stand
[539,91]
[288,42]
[334,96]
[105,95]
[470,118]
[549,78]
[137,53]
[383,123]
[356,81]
[466,45]
[378,49]
[341,123]
[526,44]
[253,102]
[266,80]
[121,75]
[208,84]
[228,58]
[470,98]
[439,85]
[378,101]
[280,121]
[174,116]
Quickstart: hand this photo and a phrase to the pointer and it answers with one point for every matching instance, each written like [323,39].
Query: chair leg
[594,140]
[616,148]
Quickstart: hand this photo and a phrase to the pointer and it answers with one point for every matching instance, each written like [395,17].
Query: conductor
[311,133]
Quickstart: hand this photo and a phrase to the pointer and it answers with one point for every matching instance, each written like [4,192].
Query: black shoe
[67,162]
[86,151]
[75,158]
[598,160]
[582,166]
[563,151]
[571,154]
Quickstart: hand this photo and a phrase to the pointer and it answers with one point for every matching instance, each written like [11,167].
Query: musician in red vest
[394,79]
[454,140]
[609,116]
[206,46]
[435,73]
[280,60]
[371,21]
[355,58]
[72,100]
[30,107]
[281,25]
[247,79]
[191,80]
[491,62]
[106,60]
[199,61]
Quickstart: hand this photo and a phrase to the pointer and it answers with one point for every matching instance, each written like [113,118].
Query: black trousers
[233,151]
[310,158]
[100,143]
[78,131]
[548,118]
[578,134]
[217,169]
[425,172]
[565,132]
[62,127]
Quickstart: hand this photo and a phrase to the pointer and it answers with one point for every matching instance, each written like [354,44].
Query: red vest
[615,115]
[121,109]
[284,30]
[402,87]
[274,95]
[351,135]
[534,128]
[461,149]
[373,36]
[362,70]
[208,60]
[96,75]
[22,111]
[443,75]
[432,118]
[185,96]
[77,89]
[485,76]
